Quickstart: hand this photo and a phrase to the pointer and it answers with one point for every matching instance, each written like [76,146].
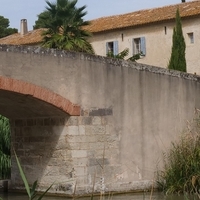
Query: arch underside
[19,99]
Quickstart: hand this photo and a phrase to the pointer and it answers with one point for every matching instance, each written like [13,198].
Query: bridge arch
[19,99]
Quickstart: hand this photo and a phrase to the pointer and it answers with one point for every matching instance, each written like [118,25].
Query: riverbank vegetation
[181,172]
[31,190]
[5,160]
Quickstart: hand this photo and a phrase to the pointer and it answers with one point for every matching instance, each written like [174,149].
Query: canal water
[128,196]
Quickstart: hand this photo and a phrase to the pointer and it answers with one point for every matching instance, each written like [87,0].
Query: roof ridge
[147,9]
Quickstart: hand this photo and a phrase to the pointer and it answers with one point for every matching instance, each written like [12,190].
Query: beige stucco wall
[130,114]
[158,44]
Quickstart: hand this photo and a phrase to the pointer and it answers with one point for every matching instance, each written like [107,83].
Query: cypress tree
[177,60]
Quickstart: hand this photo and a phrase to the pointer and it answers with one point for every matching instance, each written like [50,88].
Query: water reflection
[128,196]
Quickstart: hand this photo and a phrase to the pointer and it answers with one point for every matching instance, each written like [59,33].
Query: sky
[15,10]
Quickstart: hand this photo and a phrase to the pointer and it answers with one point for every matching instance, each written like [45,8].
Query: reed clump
[5,158]
[181,171]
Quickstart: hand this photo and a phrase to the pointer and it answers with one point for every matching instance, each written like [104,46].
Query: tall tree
[4,27]
[43,20]
[65,26]
[177,60]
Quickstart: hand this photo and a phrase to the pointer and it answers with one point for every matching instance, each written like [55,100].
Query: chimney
[23,27]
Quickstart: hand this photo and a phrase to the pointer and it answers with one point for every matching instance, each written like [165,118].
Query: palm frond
[65,27]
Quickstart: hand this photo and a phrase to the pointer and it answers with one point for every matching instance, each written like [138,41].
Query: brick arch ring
[40,93]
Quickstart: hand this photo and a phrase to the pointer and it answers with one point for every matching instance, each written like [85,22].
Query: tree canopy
[65,26]
[4,27]
[43,20]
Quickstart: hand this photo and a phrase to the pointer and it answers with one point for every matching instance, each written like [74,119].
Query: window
[191,37]
[139,46]
[112,47]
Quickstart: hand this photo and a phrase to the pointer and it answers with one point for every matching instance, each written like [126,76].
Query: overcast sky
[15,10]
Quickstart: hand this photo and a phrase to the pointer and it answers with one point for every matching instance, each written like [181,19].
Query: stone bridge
[82,120]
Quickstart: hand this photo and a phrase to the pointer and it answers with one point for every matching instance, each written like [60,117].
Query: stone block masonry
[76,150]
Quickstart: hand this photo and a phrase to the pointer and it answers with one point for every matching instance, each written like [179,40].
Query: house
[148,31]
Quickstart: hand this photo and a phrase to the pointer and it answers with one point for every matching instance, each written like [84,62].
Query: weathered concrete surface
[130,113]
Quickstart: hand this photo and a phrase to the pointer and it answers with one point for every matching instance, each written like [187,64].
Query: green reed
[31,191]
[181,172]
[5,159]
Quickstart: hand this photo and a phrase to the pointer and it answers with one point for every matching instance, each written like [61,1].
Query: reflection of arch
[40,93]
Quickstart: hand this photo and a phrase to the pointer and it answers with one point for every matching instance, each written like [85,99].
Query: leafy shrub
[124,54]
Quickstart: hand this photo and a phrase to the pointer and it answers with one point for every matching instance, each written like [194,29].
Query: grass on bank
[31,191]
[181,172]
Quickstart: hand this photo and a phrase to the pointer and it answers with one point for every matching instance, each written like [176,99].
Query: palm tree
[65,27]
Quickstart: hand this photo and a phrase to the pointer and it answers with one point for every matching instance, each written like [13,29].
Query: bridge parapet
[129,114]
[35,50]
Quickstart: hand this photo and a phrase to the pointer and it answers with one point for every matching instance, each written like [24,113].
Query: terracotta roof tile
[142,17]
[32,37]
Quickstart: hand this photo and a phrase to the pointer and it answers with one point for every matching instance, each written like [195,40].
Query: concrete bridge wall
[129,114]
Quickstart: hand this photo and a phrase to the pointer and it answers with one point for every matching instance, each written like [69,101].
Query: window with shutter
[112,47]
[139,46]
